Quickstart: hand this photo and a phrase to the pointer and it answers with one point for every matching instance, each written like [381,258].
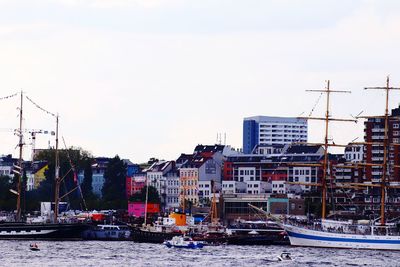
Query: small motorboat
[183,242]
[285,256]
[34,247]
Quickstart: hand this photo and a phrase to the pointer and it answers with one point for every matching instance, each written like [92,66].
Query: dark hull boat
[245,239]
[49,231]
[108,233]
[144,236]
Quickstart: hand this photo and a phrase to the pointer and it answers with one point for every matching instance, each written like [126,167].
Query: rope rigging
[39,107]
[315,105]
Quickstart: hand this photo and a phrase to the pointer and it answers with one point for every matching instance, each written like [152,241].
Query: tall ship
[363,234]
[57,229]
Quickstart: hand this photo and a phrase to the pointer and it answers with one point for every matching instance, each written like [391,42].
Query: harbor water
[96,253]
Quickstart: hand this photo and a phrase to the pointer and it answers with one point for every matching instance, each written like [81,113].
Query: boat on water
[161,230]
[356,237]
[46,231]
[352,235]
[108,232]
[34,247]
[285,256]
[257,233]
[183,242]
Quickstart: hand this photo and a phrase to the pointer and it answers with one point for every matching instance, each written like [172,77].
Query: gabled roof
[159,166]
[208,148]
[303,149]
[183,158]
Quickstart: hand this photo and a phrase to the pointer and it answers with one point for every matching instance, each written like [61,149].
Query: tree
[153,196]
[45,191]
[114,188]
[7,199]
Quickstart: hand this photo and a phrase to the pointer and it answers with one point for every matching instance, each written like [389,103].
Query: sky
[154,78]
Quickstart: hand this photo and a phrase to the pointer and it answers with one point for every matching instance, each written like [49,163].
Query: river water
[97,253]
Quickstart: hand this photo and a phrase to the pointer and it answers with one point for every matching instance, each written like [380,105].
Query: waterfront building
[136,183]
[6,165]
[203,166]
[172,189]
[236,206]
[374,129]
[157,177]
[265,130]
[269,173]
[35,173]
[98,169]
[233,187]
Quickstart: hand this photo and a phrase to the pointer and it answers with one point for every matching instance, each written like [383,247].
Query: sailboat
[348,234]
[23,230]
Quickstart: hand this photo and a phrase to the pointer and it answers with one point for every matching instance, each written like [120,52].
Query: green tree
[153,196]
[7,199]
[114,188]
[45,191]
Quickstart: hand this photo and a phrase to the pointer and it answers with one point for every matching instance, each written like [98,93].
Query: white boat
[352,235]
[377,237]
[183,242]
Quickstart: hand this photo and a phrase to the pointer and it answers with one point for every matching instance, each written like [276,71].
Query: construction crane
[32,133]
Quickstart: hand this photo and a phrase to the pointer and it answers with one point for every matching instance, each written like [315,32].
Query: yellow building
[189,185]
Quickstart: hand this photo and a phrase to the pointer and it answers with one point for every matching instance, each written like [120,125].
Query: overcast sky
[154,78]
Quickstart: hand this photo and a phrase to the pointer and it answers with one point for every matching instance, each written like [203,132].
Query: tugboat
[183,242]
[161,230]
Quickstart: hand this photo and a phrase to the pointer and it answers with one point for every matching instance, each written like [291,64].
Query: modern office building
[264,130]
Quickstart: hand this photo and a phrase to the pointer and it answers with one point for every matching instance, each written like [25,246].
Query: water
[96,253]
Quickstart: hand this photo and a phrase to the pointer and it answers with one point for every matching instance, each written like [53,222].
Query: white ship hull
[300,236]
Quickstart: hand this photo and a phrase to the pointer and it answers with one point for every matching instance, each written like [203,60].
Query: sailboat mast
[385,147]
[323,182]
[20,144]
[383,186]
[214,215]
[146,201]
[326,144]
[184,194]
[57,177]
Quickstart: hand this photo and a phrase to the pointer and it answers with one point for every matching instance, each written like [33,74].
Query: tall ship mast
[20,160]
[348,234]
[56,177]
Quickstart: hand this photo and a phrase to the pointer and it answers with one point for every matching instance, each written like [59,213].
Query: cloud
[119,3]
